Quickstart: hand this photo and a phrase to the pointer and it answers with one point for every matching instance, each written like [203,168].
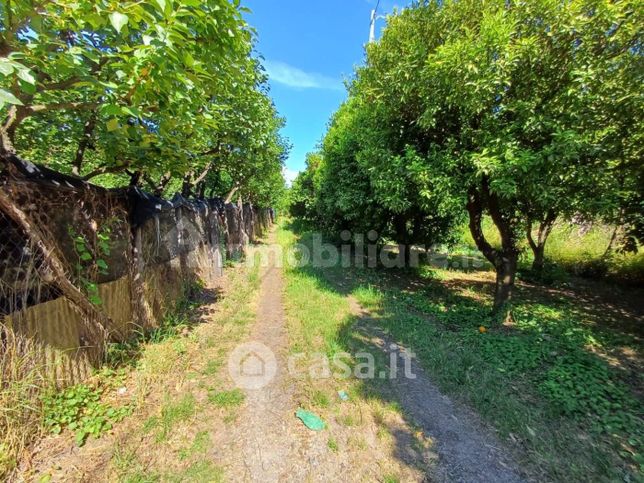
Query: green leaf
[81,437]
[26,76]
[131,111]
[118,20]
[110,110]
[112,124]
[27,87]
[6,66]
[95,299]
[161,4]
[8,98]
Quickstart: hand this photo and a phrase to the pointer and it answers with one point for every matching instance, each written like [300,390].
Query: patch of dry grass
[20,388]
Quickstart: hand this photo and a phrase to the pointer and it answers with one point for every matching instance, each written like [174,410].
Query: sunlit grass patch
[200,444]
[321,322]
[227,399]
[172,412]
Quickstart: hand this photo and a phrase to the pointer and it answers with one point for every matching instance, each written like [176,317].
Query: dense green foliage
[525,112]
[80,409]
[162,92]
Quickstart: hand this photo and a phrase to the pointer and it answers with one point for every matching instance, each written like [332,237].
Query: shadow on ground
[543,382]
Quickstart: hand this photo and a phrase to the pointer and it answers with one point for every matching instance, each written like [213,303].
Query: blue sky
[309,48]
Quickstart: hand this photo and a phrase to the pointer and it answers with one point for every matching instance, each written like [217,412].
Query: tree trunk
[6,144]
[83,144]
[611,243]
[614,236]
[135,178]
[159,188]
[186,189]
[539,258]
[506,270]
[201,190]
[504,260]
[538,246]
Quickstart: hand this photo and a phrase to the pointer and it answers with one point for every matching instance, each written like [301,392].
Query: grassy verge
[31,406]
[367,430]
[20,389]
[180,381]
[562,382]
[571,250]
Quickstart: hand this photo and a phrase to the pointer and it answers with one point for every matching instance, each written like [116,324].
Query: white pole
[372,27]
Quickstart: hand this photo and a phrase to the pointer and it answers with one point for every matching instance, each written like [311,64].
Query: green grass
[212,367]
[332,444]
[179,430]
[571,249]
[320,398]
[201,471]
[129,468]
[200,445]
[544,382]
[227,399]
[537,381]
[170,414]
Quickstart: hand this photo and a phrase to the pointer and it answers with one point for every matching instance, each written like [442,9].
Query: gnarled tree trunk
[504,260]
[538,246]
[506,269]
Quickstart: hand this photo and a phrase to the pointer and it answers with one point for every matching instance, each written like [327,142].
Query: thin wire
[377,5]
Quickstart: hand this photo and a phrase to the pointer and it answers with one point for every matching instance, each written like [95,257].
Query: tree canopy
[166,92]
[523,111]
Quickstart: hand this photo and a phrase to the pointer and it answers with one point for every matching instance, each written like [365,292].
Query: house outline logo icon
[252,365]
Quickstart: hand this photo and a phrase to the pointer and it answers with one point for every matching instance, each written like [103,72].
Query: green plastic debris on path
[310,420]
[343,395]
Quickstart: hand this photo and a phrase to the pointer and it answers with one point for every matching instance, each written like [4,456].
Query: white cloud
[294,77]
[289,175]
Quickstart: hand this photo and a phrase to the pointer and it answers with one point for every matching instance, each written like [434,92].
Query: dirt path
[467,451]
[269,444]
[265,439]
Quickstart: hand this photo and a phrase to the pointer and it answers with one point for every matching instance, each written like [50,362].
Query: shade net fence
[81,265]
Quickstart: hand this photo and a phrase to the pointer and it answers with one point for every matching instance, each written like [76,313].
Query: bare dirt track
[467,450]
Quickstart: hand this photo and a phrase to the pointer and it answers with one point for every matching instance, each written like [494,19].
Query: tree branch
[106,170]
[60,107]
[88,131]
[475,210]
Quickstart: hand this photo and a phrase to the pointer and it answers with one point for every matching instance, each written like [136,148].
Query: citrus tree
[157,90]
[524,112]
